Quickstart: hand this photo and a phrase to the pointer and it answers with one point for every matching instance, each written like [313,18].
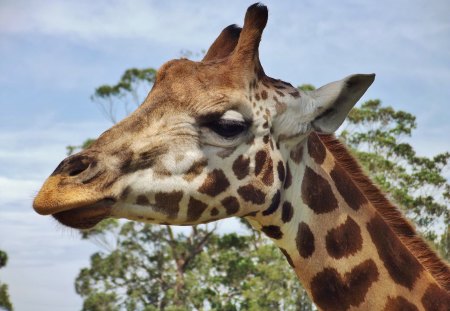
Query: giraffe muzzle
[70,194]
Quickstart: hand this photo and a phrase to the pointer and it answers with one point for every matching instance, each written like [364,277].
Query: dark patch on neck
[273,205]
[281,171]
[330,291]
[287,212]
[195,209]
[260,159]
[402,266]
[344,240]
[296,153]
[252,194]
[347,188]
[215,183]
[241,167]
[304,240]
[231,205]
[436,299]
[316,149]
[399,303]
[288,180]
[393,217]
[288,257]
[273,232]
[168,203]
[317,193]
[267,177]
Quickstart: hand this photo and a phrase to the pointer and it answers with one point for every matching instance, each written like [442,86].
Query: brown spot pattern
[142,200]
[436,299]
[274,204]
[281,94]
[296,153]
[317,193]
[214,211]
[345,240]
[281,171]
[289,259]
[330,291]
[316,149]
[399,304]
[304,240]
[260,159]
[125,193]
[264,94]
[267,177]
[347,188]
[266,139]
[295,94]
[216,182]
[273,232]
[168,203]
[195,170]
[231,205]
[288,180]
[287,212]
[252,194]
[402,266]
[195,209]
[257,97]
[241,167]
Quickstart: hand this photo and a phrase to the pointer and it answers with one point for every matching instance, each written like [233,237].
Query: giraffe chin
[85,217]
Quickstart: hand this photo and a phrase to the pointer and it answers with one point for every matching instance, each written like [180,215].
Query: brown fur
[393,217]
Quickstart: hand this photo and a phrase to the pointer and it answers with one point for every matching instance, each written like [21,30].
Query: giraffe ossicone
[219,138]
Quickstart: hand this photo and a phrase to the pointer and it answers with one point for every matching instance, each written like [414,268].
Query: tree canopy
[5,302]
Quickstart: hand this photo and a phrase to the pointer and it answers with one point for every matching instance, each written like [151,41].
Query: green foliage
[306,87]
[156,270]
[5,302]
[130,88]
[71,149]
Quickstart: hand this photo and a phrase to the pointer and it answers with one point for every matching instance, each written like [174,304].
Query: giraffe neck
[334,233]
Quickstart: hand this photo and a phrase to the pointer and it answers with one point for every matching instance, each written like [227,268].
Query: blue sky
[53,54]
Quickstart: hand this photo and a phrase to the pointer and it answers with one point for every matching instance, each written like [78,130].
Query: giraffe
[219,138]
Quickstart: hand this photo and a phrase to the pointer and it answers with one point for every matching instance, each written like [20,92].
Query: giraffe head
[209,141]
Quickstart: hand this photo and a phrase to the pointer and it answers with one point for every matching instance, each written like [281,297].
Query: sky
[53,54]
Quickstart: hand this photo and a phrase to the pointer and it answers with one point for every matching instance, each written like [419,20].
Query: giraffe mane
[407,234]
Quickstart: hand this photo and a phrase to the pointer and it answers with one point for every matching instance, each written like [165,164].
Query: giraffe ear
[335,100]
[246,52]
[224,44]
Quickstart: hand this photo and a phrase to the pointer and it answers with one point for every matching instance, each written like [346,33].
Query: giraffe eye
[228,128]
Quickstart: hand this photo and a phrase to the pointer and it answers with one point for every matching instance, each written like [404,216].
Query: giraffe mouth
[86,217]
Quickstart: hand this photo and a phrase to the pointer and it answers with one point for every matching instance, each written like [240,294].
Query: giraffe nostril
[74,165]
[78,167]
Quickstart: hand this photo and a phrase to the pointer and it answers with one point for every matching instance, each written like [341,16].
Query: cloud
[87,20]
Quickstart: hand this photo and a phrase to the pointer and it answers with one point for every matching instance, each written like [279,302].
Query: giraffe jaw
[85,217]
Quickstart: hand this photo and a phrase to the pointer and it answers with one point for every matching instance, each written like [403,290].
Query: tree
[5,302]
[152,269]
[144,267]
